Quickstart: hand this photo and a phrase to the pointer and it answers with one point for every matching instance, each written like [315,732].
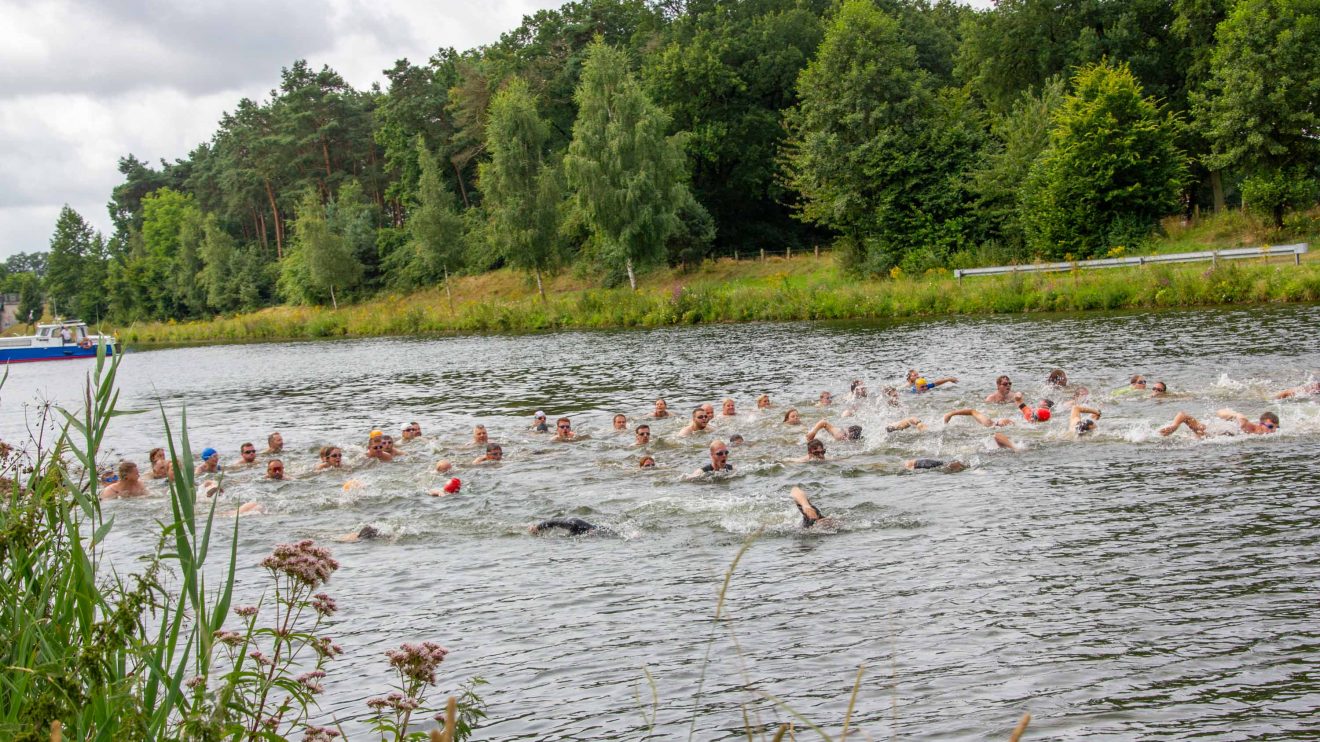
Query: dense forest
[612,135]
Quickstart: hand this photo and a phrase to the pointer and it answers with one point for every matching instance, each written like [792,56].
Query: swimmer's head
[816,448]
[1085,425]
[367,533]
[647,462]
[736,440]
[1058,378]
[1270,421]
[373,435]
[1160,388]
[208,453]
[453,485]
[854,432]
[1047,404]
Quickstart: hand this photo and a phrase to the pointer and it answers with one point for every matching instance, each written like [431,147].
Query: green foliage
[1259,106]
[74,247]
[627,177]
[522,189]
[436,236]
[1111,171]
[320,259]
[875,151]
[1272,192]
[30,298]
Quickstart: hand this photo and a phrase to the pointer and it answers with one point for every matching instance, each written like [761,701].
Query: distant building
[9,311]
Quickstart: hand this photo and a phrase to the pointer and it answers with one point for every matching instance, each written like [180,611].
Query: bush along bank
[787,295]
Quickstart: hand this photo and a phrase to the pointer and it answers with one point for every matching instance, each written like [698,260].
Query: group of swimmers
[1083,420]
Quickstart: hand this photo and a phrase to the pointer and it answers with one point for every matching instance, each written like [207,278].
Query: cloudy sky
[85,82]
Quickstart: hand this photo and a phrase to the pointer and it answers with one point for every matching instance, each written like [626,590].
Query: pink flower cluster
[229,638]
[418,661]
[324,604]
[304,561]
[196,682]
[396,701]
[311,681]
[320,734]
[327,648]
[246,611]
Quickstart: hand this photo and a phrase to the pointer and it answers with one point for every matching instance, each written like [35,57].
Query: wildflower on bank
[320,734]
[417,662]
[246,611]
[327,648]
[304,561]
[310,681]
[324,604]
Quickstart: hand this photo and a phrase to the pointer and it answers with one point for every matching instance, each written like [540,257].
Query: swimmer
[647,462]
[826,399]
[574,526]
[275,469]
[719,459]
[815,452]
[918,383]
[857,390]
[736,440]
[698,423]
[443,465]
[162,468]
[210,462]
[643,435]
[1137,383]
[367,533]
[620,423]
[247,454]
[1305,390]
[410,431]
[904,424]
[479,437]
[388,440]
[129,483]
[1079,425]
[539,424]
[763,402]
[333,459]
[811,515]
[1057,378]
[661,409]
[1003,391]
[1159,389]
[494,454]
[851,433]
[727,408]
[926,464]
[791,417]
[452,487]
[890,395]
[1038,414]
[274,443]
[982,418]
[1268,423]
[376,447]
[710,412]
[564,430]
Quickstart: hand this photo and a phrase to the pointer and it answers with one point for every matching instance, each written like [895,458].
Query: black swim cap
[368,532]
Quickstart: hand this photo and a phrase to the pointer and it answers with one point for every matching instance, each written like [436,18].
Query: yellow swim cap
[376,434]
[921,381]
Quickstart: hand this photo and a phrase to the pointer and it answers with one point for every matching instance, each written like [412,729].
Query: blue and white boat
[54,342]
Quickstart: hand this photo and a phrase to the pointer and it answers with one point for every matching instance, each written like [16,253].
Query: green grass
[805,287]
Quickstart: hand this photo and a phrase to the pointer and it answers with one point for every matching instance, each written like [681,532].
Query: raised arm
[1078,410]
[910,422]
[942,382]
[825,425]
[976,415]
[1234,416]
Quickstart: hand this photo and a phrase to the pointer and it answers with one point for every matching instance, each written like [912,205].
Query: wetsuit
[807,520]
[541,428]
[575,526]
[709,468]
[927,464]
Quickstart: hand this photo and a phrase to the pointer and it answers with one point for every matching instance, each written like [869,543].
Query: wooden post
[763,255]
[788,253]
[817,252]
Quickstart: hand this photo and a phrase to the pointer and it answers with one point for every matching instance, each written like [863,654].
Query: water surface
[1128,586]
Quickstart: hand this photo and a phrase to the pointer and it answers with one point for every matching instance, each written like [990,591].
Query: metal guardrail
[1237,253]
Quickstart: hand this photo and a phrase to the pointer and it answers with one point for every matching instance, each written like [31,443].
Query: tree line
[614,135]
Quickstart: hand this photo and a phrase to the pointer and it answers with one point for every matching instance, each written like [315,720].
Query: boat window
[44,332]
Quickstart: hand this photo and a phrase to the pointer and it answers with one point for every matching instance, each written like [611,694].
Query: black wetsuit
[807,520]
[927,464]
[541,428]
[709,468]
[575,526]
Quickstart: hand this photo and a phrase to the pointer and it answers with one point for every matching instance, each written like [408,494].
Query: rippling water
[1128,586]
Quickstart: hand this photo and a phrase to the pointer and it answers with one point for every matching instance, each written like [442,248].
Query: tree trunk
[333,303]
[632,278]
[325,151]
[540,286]
[275,214]
[462,189]
[1217,187]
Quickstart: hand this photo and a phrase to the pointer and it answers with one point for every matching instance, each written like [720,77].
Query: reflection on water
[1128,586]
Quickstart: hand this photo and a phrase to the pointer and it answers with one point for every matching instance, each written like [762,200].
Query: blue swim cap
[207,453]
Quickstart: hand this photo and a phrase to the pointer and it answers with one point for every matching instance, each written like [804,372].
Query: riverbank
[801,288]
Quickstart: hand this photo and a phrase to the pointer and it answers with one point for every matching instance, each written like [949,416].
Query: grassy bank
[802,288]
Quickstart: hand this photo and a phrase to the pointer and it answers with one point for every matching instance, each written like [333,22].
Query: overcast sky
[85,82]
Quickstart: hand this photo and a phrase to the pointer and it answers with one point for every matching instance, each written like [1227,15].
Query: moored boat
[53,342]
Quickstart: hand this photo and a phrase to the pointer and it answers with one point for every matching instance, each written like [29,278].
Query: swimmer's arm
[1079,410]
[910,422]
[1234,416]
[822,425]
[957,413]
[1286,393]
[942,382]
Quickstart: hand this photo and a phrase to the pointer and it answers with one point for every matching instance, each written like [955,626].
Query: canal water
[1125,585]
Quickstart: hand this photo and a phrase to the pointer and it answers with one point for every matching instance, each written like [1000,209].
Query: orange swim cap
[1042,414]
[453,485]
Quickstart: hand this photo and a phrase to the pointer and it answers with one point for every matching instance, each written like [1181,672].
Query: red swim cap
[1042,414]
[453,485]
